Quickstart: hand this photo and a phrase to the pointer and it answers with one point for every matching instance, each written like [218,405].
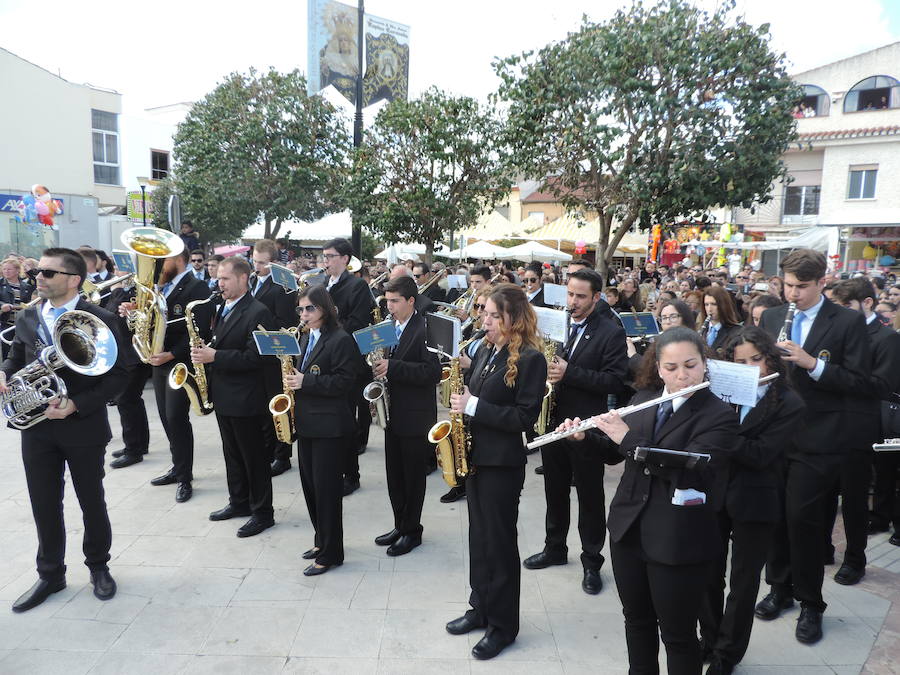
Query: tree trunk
[274,232]
[429,252]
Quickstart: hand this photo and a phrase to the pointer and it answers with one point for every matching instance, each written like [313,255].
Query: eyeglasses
[49,274]
[417,276]
[196,259]
[330,256]
[530,280]
[478,307]
[309,309]
[669,318]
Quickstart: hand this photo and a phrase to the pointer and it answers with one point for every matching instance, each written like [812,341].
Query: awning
[331,226]
[408,252]
[480,249]
[230,249]
[534,250]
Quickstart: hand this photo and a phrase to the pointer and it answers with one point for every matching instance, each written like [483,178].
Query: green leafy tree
[159,197]
[661,112]
[258,148]
[427,167]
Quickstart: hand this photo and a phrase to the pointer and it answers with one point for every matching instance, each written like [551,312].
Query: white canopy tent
[331,226]
[397,252]
[534,250]
[480,249]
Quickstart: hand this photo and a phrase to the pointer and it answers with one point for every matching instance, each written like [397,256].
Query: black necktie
[573,338]
[663,413]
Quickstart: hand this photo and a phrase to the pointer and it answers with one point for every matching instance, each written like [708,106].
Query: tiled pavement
[195,599]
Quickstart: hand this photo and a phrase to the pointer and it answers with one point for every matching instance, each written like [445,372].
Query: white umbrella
[408,251]
[480,249]
[535,250]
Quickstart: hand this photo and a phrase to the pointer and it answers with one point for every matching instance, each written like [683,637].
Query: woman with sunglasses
[533,285]
[502,400]
[327,370]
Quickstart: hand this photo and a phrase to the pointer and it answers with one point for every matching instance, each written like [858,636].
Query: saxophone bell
[439,434]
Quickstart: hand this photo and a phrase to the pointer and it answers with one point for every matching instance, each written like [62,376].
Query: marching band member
[282,305]
[829,360]
[412,371]
[238,394]
[322,384]
[662,547]
[592,366]
[503,399]
[15,289]
[179,287]
[354,303]
[74,434]
[719,308]
[754,501]
[533,285]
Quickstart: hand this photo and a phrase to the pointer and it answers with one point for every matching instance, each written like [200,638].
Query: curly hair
[519,325]
[765,344]
[647,376]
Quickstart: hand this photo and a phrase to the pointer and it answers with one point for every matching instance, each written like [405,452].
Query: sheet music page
[733,382]
[551,323]
[555,294]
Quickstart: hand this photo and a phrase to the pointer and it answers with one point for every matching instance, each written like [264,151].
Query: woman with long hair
[502,400]
[753,500]
[327,369]
[718,318]
[664,533]
[15,290]
[629,297]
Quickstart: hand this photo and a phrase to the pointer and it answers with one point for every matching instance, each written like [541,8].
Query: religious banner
[333,56]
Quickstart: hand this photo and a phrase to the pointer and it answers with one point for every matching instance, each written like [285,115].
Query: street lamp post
[356,234]
[142,181]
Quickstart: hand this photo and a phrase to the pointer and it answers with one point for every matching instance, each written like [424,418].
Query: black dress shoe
[771,606]
[809,626]
[539,561]
[125,460]
[254,526]
[168,478]
[183,492]
[719,667]
[118,453]
[539,470]
[279,466]
[404,545]
[123,451]
[453,495]
[315,570]
[350,486]
[895,539]
[104,584]
[35,595]
[875,527]
[592,583]
[848,575]
[490,646]
[229,512]
[310,554]
[388,538]
[464,624]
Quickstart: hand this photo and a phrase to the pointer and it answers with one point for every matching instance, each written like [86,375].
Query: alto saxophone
[195,384]
[549,400]
[281,406]
[453,443]
[376,392]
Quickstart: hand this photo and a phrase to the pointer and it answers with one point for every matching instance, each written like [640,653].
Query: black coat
[597,367]
[177,340]
[538,300]
[722,338]
[279,302]
[26,289]
[503,412]
[238,372]
[670,534]
[322,407]
[90,424]
[354,302]
[834,403]
[756,474]
[413,373]
[435,292]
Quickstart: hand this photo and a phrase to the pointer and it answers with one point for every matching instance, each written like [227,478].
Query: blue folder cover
[276,343]
[380,336]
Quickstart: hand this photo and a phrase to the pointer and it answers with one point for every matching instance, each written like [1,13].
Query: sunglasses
[49,274]
[196,259]
[478,307]
[530,280]
[308,308]
[417,276]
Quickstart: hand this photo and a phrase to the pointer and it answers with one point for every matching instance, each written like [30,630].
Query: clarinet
[785,333]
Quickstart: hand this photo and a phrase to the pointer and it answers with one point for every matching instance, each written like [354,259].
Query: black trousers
[405,479]
[45,457]
[853,488]
[885,505]
[658,600]
[561,461]
[495,569]
[320,477]
[175,414]
[133,412]
[725,625]
[246,465]
[360,436]
[796,562]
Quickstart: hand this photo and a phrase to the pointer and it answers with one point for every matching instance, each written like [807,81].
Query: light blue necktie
[57,312]
[309,348]
[399,331]
[797,328]
[745,410]
[166,288]
[711,336]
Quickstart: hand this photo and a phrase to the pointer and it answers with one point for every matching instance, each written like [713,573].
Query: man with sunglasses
[198,265]
[74,433]
[422,275]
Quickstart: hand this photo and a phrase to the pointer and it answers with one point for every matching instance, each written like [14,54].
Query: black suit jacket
[89,425]
[538,300]
[177,340]
[413,373]
[26,288]
[597,367]
[354,302]
[756,475]
[503,413]
[322,407]
[237,374]
[435,292]
[280,303]
[842,395]
[670,534]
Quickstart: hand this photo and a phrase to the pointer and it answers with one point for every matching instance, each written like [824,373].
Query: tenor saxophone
[195,384]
